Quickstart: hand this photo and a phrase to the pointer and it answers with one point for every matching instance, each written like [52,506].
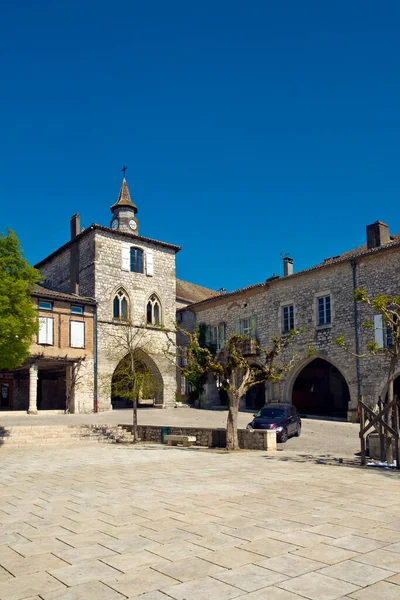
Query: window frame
[123,295]
[75,312]
[48,302]
[323,296]
[152,304]
[290,319]
[134,250]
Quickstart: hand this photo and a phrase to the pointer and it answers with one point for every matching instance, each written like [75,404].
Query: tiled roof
[359,252]
[94,226]
[40,290]
[191,292]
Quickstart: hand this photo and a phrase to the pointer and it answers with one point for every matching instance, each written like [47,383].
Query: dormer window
[120,305]
[153,311]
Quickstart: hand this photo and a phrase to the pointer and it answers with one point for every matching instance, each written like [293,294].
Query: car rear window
[272,413]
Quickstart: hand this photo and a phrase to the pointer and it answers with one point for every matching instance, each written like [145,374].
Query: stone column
[33,380]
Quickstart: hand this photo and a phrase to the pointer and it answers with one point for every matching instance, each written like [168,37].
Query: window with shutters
[153,310]
[383,332]
[221,335]
[45,335]
[247,327]
[77,334]
[136,255]
[287,318]
[121,305]
[324,314]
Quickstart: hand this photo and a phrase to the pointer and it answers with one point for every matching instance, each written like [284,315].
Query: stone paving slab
[159,523]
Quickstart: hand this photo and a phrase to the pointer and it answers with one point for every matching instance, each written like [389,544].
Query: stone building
[134,283]
[59,373]
[321,300]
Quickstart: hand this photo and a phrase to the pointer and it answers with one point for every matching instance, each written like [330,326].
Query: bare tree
[385,321]
[233,370]
[133,379]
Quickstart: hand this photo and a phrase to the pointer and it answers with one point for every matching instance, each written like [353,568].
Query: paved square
[154,523]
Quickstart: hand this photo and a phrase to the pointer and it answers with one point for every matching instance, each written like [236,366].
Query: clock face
[114,224]
[132,224]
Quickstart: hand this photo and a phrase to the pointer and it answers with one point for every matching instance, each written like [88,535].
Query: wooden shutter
[253,324]
[378,327]
[237,326]
[149,263]
[77,334]
[125,257]
[207,335]
[45,335]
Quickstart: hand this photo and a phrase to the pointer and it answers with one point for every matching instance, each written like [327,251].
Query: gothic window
[153,311]
[136,260]
[120,305]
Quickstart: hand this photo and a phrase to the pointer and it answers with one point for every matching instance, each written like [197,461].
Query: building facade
[59,373]
[319,300]
[133,280]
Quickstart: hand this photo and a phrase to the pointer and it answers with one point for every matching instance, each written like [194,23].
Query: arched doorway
[321,389]
[143,381]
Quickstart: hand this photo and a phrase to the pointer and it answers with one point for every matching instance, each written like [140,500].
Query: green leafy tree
[388,308]
[233,371]
[18,317]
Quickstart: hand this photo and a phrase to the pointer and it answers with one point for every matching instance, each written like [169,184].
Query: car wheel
[283,437]
[298,431]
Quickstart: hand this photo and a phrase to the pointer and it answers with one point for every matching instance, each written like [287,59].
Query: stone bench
[185,440]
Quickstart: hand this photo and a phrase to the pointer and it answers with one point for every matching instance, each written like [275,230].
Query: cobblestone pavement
[156,523]
[319,438]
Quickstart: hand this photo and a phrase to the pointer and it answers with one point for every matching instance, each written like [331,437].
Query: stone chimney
[75,226]
[74,255]
[287,266]
[377,234]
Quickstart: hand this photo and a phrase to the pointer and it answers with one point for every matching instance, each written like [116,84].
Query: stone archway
[321,389]
[152,389]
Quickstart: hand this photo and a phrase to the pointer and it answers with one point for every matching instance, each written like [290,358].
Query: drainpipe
[356,333]
[95,400]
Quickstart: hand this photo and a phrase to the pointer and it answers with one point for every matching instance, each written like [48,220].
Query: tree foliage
[18,318]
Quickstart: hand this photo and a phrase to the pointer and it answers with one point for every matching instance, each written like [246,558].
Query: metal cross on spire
[124,168]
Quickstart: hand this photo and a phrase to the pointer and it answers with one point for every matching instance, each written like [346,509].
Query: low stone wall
[212,438]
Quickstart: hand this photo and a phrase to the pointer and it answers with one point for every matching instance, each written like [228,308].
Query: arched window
[153,311]
[136,260]
[120,305]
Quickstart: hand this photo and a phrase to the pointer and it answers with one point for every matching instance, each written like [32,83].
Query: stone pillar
[33,381]
[270,440]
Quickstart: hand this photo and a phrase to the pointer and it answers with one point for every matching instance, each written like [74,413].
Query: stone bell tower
[124,212]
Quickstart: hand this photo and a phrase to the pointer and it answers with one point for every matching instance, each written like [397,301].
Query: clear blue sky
[248,128]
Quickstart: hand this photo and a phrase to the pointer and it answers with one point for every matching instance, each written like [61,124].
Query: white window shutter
[378,327]
[149,263]
[77,334]
[45,335]
[125,257]
[42,336]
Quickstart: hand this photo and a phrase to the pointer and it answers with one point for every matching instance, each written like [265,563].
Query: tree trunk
[232,441]
[134,406]
[389,412]
[135,422]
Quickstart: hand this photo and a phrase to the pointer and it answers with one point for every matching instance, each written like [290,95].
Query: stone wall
[138,287]
[378,273]
[212,438]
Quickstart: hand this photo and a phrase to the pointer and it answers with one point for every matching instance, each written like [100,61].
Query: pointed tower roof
[124,198]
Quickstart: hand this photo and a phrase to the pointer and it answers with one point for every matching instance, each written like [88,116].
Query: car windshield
[272,413]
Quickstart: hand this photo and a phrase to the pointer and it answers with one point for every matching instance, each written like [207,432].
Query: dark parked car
[281,417]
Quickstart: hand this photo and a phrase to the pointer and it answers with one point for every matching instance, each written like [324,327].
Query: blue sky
[249,128]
